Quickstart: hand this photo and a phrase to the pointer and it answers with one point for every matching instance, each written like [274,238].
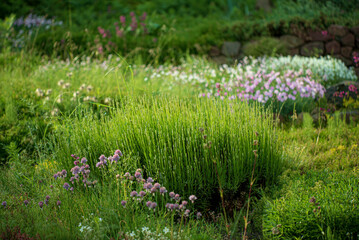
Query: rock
[357,71]
[220,60]
[291,41]
[355,31]
[350,115]
[265,5]
[348,40]
[346,61]
[231,49]
[294,51]
[313,48]
[337,30]
[346,51]
[214,51]
[332,47]
[319,35]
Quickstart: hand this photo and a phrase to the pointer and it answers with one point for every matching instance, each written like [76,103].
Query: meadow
[169,144]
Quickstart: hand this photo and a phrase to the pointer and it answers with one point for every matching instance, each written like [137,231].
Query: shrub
[315,205]
[265,46]
[181,142]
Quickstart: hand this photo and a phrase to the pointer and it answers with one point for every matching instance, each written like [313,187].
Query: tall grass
[178,141]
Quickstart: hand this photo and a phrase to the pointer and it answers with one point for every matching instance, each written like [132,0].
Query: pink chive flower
[66,186]
[192,198]
[123,203]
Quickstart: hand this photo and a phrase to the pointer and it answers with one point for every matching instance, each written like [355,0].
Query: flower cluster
[112,159]
[356,58]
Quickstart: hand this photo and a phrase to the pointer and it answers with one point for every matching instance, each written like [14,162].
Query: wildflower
[66,85]
[149,180]
[166,230]
[157,186]
[107,100]
[102,158]
[177,197]
[26,202]
[137,175]
[312,200]
[99,164]
[127,175]
[58,203]
[199,215]
[187,212]
[47,197]
[55,112]
[163,190]
[76,94]
[115,158]
[142,194]
[72,189]
[184,203]
[83,160]
[60,83]
[89,88]
[48,91]
[192,198]
[41,204]
[39,92]
[133,194]
[118,152]
[66,186]
[75,170]
[82,87]
[4,204]
[64,173]
[123,203]
[76,162]
[51,186]
[56,176]
[172,194]
[153,190]
[153,205]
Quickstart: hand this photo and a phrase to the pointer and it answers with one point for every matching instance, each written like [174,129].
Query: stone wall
[338,41]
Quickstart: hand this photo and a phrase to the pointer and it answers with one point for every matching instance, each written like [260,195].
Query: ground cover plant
[111,127]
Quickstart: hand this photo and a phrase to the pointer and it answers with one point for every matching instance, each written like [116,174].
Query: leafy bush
[265,46]
[327,70]
[313,206]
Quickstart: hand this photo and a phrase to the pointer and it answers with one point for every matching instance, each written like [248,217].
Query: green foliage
[265,46]
[165,134]
[314,205]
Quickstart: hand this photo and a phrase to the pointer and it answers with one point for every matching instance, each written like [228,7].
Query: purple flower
[102,158]
[127,175]
[26,202]
[41,204]
[192,198]
[177,197]
[64,173]
[163,190]
[148,204]
[83,160]
[4,203]
[186,213]
[123,203]
[137,175]
[142,194]
[118,152]
[72,189]
[75,170]
[58,203]
[51,186]
[133,194]
[199,215]
[115,158]
[153,190]
[153,205]
[99,164]
[172,194]
[66,186]
[56,176]
[76,162]
[157,186]
[47,197]
[132,14]
[149,180]
[184,203]
[143,17]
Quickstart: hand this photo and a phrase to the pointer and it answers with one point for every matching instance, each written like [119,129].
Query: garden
[179,119]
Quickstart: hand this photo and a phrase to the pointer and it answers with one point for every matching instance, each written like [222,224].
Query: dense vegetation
[121,128]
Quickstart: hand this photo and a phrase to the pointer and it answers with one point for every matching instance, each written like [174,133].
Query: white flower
[166,230]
